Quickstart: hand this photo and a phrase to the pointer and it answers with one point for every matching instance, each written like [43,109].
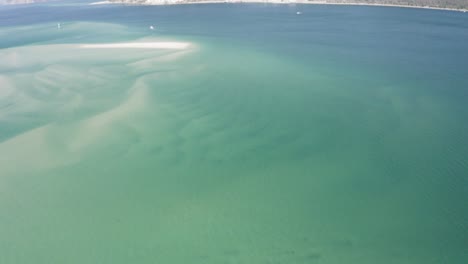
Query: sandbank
[138,45]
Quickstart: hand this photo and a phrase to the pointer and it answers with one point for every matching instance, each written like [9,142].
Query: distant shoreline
[282,2]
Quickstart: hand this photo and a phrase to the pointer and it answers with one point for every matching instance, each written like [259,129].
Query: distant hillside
[452,4]
[458,4]
[14,2]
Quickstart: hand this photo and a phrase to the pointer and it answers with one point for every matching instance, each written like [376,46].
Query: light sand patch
[101,3]
[6,87]
[96,127]
[65,93]
[150,62]
[41,149]
[10,59]
[138,45]
[32,150]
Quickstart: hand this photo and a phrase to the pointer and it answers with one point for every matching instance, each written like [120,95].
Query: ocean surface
[337,136]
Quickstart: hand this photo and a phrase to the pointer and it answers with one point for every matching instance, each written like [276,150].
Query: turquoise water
[336,136]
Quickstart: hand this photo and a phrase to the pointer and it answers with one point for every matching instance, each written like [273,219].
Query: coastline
[305,2]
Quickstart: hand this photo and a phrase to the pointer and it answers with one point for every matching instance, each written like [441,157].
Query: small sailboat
[59,26]
[298,13]
[152,27]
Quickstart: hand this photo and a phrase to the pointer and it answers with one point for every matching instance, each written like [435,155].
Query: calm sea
[339,135]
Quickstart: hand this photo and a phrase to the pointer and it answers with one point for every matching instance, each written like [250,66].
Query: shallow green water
[335,137]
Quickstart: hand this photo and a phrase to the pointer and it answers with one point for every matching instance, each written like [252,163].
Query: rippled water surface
[334,136]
